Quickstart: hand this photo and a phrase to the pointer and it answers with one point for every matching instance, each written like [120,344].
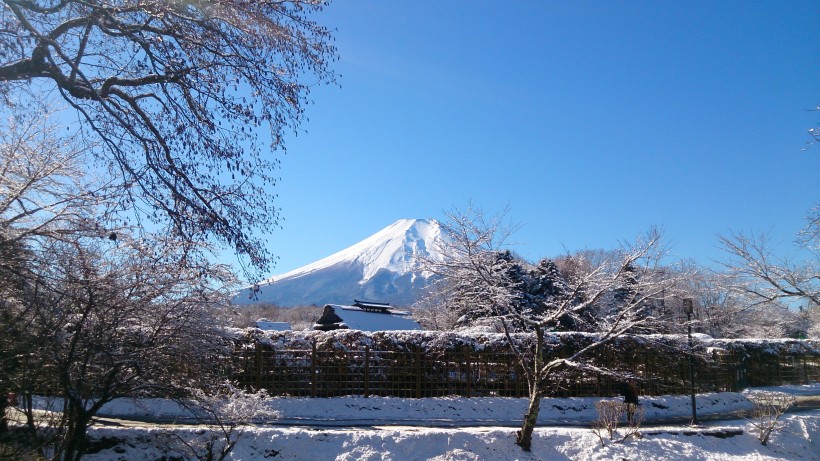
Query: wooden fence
[318,372]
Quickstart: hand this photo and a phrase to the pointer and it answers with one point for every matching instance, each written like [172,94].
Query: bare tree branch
[177,94]
[767,278]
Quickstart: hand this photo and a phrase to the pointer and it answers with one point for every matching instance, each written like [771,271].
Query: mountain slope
[382,267]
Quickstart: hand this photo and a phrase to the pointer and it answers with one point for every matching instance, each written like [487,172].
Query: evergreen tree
[548,290]
[628,287]
[498,289]
[547,282]
[512,277]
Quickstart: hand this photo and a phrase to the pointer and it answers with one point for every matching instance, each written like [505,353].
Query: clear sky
[592,120]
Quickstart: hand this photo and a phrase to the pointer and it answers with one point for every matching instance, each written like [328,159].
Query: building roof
[367,318]
[372,306]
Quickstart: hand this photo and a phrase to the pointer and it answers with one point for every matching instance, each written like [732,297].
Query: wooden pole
[313,371]
[366,371]
[469,374]
[258,367]
[418,373]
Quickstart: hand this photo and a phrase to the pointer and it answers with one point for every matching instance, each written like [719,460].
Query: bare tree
[719,311]
[768,278]
[769,281]
[123,319]
[88,314]
[614,297]
[45,197]
[175,95]
[809,236]
[433,311]
[229,411]
[45,190]
[768,408]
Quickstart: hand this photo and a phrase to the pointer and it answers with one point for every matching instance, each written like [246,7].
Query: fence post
[469,374]
[366,371]
[805,371]
[418,373]
[313,371]
[598,385]
[258,367]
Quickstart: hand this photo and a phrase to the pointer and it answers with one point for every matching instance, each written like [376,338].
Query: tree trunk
[74,438]
[74,442]
[524,436]
[4,426]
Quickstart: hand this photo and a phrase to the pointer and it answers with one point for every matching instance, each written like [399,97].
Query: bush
[610,414]
[768,407]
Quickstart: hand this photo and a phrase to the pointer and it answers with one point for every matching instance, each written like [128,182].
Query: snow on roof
[371,305]
[356,318]
[264,324]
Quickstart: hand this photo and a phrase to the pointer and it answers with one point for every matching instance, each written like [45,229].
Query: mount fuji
[383,267]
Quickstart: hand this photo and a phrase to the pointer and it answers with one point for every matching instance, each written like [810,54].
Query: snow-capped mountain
[382,267]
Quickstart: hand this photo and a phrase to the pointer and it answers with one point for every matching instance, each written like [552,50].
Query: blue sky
[592,121]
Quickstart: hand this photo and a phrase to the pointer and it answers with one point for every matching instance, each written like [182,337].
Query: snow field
[321,429]
[800,440]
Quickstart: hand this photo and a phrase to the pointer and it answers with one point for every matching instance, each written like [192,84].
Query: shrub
[768,407]
[610,414]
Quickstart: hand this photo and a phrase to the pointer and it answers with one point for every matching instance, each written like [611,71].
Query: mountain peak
[383,266]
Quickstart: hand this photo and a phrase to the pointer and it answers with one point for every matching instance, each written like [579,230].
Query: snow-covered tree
[549,288]
[546,281]
[88,313]
[613,316]
[766,280]
[476,273]
[434,312]
[123,319]
[46,196]
[492,285]
[47,190]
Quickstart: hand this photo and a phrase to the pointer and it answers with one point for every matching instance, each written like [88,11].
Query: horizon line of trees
[754,294]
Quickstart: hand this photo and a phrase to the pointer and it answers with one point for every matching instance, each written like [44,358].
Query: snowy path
[364,412]
[730,441]
[434,423]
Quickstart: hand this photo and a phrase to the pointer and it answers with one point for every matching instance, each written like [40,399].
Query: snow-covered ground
[566,433]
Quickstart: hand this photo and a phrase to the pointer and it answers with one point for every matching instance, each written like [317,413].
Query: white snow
[798,441]
[394,248]
[267,325]
[327,435]
[358,319]
[382,267]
